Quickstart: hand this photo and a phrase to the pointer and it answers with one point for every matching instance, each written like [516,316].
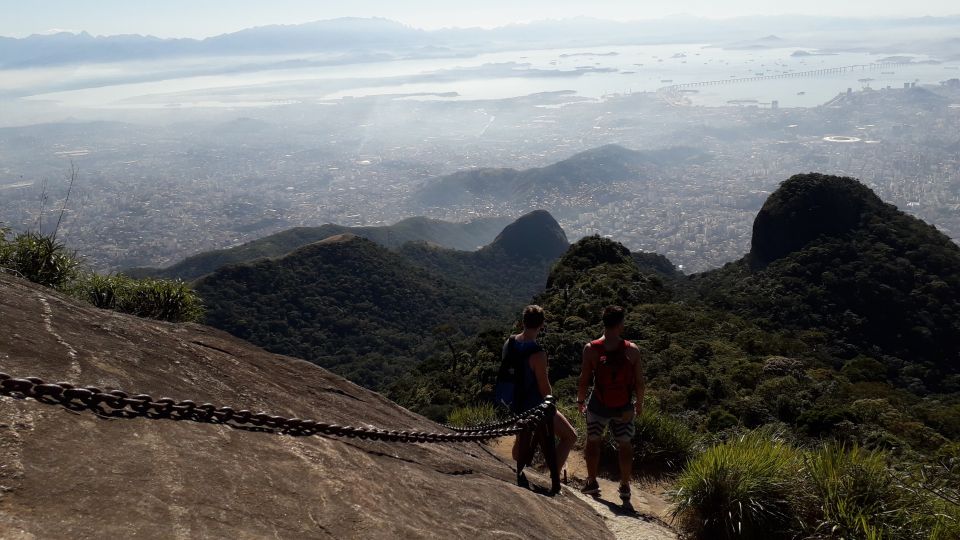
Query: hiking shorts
[621,429]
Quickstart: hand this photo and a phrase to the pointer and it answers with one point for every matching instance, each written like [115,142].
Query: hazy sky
[201,18]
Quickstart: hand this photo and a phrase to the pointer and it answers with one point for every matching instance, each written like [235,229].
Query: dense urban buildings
[152,194]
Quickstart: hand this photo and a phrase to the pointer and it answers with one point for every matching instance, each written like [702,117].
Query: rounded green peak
[532,236]
[806,207]
[595,250]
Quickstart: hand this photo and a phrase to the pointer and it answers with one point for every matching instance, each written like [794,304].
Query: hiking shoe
[522,481]
[624,492]
[592,488]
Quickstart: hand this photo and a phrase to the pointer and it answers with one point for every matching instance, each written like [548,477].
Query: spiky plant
[472,415]
[39,258]
[860,497]
[161,299]
[663,440]
[749,487]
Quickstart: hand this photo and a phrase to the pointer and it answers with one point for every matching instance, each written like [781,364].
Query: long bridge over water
[791,75]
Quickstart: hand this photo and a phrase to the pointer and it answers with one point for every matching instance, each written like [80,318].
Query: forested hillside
[344,303]
[511,269]
[371,314]
[883,286]
[850,334]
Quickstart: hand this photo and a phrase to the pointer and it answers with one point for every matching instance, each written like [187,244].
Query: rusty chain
[120,402]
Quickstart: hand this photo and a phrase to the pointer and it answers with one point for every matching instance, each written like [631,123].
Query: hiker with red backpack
[615,368]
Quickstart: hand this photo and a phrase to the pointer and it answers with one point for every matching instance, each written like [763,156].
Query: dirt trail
[640,524]
[647,520]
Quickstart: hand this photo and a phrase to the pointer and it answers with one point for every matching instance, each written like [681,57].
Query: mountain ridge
[466,236]
[369,313]
[595,167]
[67,47]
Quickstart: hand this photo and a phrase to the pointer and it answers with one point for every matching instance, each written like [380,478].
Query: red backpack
[613,376]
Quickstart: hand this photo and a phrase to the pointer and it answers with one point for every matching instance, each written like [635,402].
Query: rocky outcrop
[72,474]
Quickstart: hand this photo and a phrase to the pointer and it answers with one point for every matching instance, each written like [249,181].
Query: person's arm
[586,375]
[640,383]
[538,362]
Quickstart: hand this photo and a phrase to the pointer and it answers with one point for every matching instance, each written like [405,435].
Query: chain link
[144,405]
[494,425]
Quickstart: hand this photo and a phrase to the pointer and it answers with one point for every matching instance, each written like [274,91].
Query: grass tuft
[744,488]
[38,258]
[859,497]
[472,415]
[662,440]
[160,299]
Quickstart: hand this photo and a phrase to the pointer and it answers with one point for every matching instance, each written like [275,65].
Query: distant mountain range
[461,236]
[378,39]
[600,166]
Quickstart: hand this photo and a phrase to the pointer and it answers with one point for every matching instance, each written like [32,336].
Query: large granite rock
[68,474]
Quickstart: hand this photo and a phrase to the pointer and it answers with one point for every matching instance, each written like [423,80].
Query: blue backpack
[511,378]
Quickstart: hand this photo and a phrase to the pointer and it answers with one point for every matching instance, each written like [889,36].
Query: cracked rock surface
[73,474]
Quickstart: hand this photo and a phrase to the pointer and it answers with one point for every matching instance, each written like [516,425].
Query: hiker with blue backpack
[523,384]
[615,368]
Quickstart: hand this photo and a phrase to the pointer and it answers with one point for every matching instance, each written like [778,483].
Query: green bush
[662,440]
[859,497]
[4,244]
[472,415]
[720,420]
[160,299]
[579,422]
[745,488]
[38,258]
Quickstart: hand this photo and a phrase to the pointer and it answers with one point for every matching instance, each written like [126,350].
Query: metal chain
[143,405]
[494,425]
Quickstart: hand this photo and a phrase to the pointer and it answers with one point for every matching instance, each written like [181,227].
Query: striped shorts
[621,429]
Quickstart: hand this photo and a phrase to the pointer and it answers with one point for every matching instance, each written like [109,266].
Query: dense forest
[372,314]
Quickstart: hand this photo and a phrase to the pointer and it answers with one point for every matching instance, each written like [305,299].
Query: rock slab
[70,474]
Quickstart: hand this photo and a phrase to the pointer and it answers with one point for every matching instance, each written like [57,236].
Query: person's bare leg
[591,454]
[625,453]
[523,454]
[568,438]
